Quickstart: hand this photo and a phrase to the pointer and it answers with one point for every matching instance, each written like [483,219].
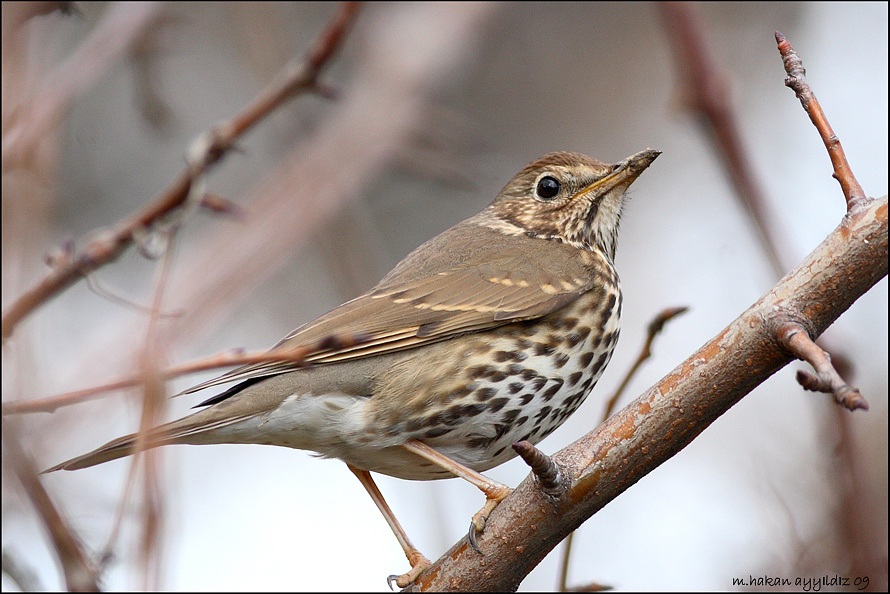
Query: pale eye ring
[548,187]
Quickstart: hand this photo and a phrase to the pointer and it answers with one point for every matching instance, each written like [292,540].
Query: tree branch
[205,151]
[797,82]
[296,356]
[795,338]
[81,574]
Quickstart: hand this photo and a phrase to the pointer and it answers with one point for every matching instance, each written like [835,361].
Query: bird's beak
[623,173]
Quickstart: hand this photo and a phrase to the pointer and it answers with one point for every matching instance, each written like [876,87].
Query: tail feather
[117,448]
[197,428]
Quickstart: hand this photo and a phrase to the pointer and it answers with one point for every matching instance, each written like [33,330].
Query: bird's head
[569,197]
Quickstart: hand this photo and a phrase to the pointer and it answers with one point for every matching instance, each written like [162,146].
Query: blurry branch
[704,89]
[666,418]
[294,356]
[153,404]
[23,577]
[80,573]
[654,329]
[205,151]
[35,114]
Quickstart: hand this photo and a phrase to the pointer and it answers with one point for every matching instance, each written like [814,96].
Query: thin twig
[211,146]
[80,573]
[295,356]
[796,81]
[153,403]
[655,327]
[795,338]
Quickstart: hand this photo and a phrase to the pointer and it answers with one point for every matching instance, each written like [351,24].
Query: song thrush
[491,333]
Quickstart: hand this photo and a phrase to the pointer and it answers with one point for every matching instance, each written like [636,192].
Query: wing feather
[421,303]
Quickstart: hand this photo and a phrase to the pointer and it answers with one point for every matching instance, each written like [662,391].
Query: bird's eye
[547,188]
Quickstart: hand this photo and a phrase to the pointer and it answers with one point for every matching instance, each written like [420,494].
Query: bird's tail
[117,448]
[194,429]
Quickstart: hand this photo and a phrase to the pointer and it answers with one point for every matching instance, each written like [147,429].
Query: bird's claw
[477,524]
[418,564]
[471,536]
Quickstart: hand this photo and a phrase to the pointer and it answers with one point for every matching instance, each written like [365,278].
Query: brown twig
[205,151]
[222,205]
[152,501]
[80,573]
[706,91]
[795,338]
[543,467]
[796,81]
[153,403]
[296,356]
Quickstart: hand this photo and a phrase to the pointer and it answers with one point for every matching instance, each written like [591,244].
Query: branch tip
[665,316]
[543,467]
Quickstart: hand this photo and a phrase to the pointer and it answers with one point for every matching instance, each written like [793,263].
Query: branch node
[543,467]
[62,255]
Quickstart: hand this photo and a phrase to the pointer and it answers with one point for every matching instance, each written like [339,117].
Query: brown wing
[436,293]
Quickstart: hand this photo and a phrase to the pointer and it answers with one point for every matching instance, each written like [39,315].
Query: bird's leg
[495,492]
[415,558]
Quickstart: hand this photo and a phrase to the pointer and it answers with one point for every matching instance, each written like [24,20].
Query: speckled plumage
[490,333]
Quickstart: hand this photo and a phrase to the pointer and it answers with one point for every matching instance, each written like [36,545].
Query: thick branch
[654,427]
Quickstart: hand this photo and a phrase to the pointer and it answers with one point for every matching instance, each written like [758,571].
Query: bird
[492,332]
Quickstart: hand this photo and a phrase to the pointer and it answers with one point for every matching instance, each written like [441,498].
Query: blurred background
[436,106]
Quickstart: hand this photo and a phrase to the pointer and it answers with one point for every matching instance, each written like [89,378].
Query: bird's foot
[418,564]
[477,524]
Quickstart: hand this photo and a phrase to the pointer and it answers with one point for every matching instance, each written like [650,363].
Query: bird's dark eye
[547,188]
